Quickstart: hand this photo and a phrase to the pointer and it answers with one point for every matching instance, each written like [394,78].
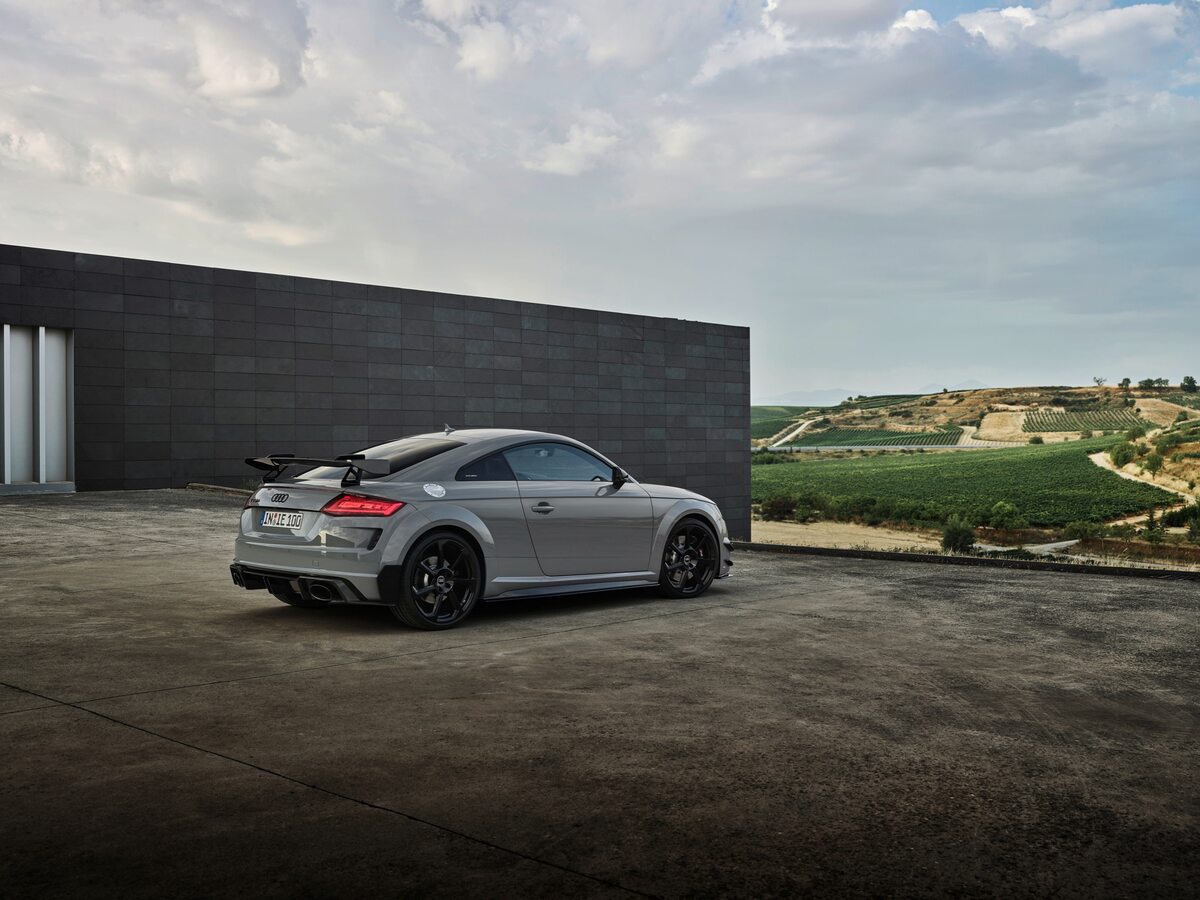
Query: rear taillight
[353,505]
[250,500]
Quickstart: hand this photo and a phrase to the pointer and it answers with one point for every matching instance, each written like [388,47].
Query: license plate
[274,519]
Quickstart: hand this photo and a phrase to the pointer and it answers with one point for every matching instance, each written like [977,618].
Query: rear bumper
[309,585]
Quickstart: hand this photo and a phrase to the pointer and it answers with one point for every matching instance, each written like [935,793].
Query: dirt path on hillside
[1101,459]
[968,439]
[844,535]
[792,435]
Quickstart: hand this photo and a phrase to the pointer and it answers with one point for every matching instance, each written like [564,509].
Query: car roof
[477,441]
[494,436]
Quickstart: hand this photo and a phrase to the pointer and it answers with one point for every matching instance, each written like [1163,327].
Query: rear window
[400,455]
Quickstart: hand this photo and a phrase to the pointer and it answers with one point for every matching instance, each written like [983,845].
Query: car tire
[440,582]
[690,559]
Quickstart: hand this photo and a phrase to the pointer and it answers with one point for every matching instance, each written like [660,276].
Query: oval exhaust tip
[318,590]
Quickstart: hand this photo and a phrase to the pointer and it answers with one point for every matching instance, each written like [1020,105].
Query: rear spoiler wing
[356,465]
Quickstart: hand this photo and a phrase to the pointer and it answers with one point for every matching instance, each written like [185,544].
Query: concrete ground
[811,726]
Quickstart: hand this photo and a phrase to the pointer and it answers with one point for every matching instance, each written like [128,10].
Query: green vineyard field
[1096,420]
[1051,484]
[777,412]
[946,436]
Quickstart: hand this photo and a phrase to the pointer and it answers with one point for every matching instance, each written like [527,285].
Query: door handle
[543,507]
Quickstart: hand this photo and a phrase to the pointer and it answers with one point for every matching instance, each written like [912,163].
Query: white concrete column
[39,406]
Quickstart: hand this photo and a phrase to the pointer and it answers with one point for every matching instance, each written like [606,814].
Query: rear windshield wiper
[355,464]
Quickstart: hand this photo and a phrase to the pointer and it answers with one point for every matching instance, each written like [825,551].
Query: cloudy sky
[888,193]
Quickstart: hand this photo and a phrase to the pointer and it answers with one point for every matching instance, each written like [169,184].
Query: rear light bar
[355,505]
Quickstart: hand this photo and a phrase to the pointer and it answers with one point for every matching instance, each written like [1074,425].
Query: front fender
[670,514]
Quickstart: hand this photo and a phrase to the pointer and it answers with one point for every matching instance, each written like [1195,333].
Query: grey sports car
[432,524]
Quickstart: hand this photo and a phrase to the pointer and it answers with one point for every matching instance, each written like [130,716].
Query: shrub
[1193,532]
[1086,434]
[957,536]
[1122,454]
[1137,431]
[778,508]
[1037,439]
[1005,515]
[1083,529]
[768,458]
[1176,518]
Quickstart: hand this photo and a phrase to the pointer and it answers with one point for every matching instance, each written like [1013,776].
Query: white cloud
[844,18]
[677,138]
[915,20]
[246,49]
[588,141]
[770,39]
[488,49]
[454,12]
[1101,36]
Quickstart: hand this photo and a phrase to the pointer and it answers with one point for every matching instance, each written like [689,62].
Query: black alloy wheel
[690,560]
[441,581]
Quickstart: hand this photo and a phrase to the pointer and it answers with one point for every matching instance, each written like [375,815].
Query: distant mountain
[936,388]
[828,397]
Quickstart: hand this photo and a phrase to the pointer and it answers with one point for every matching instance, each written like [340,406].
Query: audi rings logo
[279,498]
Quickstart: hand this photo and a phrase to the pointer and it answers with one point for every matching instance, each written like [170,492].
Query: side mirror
[618,477]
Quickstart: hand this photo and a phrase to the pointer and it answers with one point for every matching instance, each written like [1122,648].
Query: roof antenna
[449,429]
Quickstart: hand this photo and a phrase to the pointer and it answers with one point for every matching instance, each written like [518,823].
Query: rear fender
[447,516]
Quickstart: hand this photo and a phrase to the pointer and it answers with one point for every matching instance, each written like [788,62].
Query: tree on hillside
[1148,384]
[1125,383]
[1152,464]
[1100,381]
[1162,382]
[1188,384]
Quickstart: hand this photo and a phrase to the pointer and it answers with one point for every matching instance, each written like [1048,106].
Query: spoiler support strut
[355,464]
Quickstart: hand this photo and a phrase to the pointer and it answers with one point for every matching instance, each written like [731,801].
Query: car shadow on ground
[560,609]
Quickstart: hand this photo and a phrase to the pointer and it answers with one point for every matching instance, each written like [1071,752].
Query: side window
[555,462]
[490,468]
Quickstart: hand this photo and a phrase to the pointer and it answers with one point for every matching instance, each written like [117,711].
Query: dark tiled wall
[182,371]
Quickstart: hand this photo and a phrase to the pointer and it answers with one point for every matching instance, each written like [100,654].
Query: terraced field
[1051,485]
[945,436]
[879,401]
[1095,420]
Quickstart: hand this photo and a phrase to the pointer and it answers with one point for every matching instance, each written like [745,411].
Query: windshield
[400,455]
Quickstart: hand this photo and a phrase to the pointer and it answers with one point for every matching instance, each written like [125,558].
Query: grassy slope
[766,421]
[1051,485]
[776,412]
